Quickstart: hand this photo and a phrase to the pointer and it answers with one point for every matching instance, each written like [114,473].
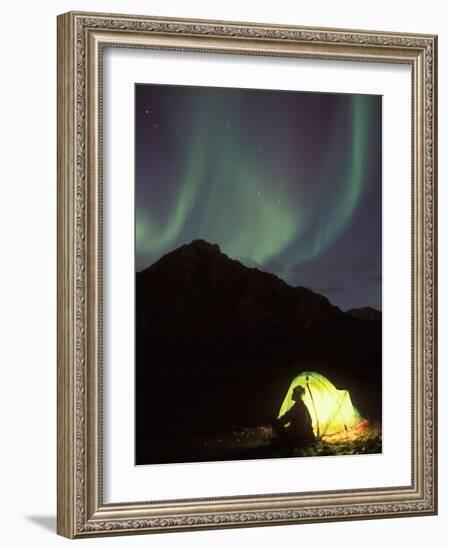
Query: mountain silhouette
[217,344]
[366,313]
[196,291]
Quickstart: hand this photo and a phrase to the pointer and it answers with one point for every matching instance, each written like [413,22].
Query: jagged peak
[203,244]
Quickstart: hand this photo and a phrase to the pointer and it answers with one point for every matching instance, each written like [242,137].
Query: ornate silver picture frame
[83,510]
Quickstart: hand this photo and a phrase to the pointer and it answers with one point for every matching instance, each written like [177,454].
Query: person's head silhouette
[298,393]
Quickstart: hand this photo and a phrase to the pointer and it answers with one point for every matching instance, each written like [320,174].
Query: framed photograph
[246,274]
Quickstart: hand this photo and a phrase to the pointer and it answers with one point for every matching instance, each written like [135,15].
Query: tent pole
[314,409]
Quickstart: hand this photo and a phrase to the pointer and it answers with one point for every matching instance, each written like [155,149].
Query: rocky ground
[261,442]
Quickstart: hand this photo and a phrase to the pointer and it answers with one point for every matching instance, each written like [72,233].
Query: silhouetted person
[300,428]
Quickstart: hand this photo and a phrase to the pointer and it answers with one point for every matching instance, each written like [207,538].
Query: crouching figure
[295,426]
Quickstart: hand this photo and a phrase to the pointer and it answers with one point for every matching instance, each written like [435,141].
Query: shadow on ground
[46,522]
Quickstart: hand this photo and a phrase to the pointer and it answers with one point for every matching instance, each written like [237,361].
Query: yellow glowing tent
[331,410]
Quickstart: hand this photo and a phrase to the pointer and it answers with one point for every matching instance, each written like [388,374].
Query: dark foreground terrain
[217,346]
[256,443]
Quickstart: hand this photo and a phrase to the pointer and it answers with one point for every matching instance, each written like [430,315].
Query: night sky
[289,182]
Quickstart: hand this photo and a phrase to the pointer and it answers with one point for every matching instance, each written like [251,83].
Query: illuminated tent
[331,410]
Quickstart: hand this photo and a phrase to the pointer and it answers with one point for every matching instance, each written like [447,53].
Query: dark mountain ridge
[366,313]
[197,290]
[217,344]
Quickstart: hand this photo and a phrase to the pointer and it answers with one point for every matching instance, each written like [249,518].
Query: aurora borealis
[289,182]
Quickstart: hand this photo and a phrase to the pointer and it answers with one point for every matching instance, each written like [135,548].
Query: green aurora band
[230,194]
